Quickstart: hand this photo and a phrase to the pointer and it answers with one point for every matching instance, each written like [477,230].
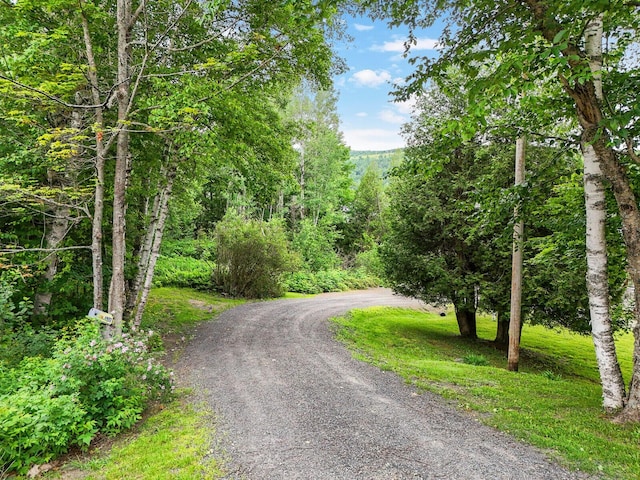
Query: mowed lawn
[554,402]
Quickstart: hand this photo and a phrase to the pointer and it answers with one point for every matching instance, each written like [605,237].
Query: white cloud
[373,139]
[362,114]
[363,28]
[397,46]
[390,116]
[369,78]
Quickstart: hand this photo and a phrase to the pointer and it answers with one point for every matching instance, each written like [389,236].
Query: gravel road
[293,404]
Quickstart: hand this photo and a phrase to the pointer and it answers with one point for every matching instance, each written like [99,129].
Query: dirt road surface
[292,403]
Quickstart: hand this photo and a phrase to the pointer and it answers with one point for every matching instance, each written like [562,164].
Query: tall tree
[544,39]
[174,64]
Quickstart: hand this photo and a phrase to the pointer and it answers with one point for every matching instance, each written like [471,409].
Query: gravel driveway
[293,404]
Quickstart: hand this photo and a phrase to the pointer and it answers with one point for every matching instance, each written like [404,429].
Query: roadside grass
[173,443]
[173,312]
[554,402]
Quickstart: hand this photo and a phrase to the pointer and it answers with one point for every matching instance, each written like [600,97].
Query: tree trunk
[98,208]
[117,297]
[466,322]
[502,330]
[56,230]
[515,320]
[598,283]
[597,275]
[165,195]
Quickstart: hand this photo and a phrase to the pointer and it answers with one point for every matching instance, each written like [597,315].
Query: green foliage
[329,281]
[185,272]
[370,262]
[251,257]
[88,386]
[384,161]
[475,359]
[315,244]
[37,425]
[12,313]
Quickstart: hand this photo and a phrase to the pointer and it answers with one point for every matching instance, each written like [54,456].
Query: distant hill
[383,159]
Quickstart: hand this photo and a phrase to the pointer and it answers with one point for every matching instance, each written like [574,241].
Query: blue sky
[369,118]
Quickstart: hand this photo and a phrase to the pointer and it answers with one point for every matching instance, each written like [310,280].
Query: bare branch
[53,98]
[634,156]
[59,249]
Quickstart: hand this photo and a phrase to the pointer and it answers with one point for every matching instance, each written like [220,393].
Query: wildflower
[93,343]
[144,377]
[149,367]
[63,378]
[150,333]
[66,365]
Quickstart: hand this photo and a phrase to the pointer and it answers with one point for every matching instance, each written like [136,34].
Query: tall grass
[553,403]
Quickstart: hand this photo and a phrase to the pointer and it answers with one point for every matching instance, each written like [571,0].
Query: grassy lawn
[553,403]
[171,444]
[174,441]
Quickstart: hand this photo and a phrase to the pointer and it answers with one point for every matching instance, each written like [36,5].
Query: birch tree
[544,39]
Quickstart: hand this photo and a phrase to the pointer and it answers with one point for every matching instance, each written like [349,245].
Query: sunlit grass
[554,402]
[172,444]
[177,310]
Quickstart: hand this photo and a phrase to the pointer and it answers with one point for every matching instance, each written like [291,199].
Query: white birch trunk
[56,231]
[145,250]
[613,394]
[165,195]
[598,283]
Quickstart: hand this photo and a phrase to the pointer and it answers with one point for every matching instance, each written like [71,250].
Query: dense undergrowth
[87,386]
[72,387]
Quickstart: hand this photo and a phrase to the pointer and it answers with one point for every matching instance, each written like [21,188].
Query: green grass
[172,444]
[553,403]
[175,311]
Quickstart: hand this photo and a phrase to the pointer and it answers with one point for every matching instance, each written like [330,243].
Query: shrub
[36,425]
[183,272]
[251,257]
[329,281]
[475,359]
[89,385]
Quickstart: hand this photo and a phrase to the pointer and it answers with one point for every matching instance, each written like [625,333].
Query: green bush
[89,385]
[37,425]
[201,248]
[251,257]
[475,359]
[329,281]
[185,272]
[315,243]
[370,262]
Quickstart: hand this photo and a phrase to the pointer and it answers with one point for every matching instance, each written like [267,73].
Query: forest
[197,144]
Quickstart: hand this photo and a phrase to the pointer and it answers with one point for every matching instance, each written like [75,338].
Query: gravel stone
[292,403]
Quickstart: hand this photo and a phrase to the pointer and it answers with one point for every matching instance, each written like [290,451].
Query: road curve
[294,404]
